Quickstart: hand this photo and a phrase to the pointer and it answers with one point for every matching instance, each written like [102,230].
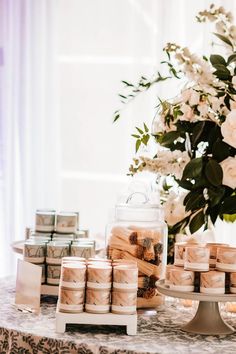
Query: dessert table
[158,332]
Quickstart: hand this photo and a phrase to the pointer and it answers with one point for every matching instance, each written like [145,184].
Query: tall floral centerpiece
[196,131]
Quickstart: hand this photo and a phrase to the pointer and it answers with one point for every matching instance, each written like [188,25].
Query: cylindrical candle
[56,251]
[212,282]
[97,300]
[181,280]
[213,252]
[71,301]
[66,222]
[196,258]
[179,251]
[226,259]
[124,302]
[99,276]
[53,274]
[45,221]
[73,275]
[125,277]
[233,283]
[34,251]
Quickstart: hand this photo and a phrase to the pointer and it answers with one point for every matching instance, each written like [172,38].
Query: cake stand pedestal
[207,319]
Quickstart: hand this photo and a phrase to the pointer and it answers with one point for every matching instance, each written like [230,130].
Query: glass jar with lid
[139,233]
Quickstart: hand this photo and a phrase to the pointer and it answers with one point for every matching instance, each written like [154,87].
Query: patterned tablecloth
[25,333]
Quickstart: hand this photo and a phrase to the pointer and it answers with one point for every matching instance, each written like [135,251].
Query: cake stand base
[208,320]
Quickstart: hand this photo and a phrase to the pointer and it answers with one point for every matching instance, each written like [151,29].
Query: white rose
[194,99]
[228,129]
[174,209]
[229,172]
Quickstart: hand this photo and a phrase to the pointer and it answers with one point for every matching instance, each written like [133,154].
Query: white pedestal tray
[207,319]
[130,321]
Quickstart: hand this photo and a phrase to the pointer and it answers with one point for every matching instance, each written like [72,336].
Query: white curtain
[98,43]
[29,137]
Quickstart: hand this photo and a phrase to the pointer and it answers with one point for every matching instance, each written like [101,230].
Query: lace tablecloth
[25,333]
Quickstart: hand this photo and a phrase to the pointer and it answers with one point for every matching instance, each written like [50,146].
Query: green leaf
[197,132]
[214,172]
[220,150]
[231,59]
[217,59]
[135,136]
[127,83]
[224,39]
[145,139]
[229,217]
[139,130]
[195,201]
[222,72]
[215,195]
[145,128]
[137,145]
[116,116]
[229,205]
[197,221]
[193,169]
[122,96]
[168,138]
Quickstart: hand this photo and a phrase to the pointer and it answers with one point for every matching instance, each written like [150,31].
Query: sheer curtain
[29,136]
[62,66]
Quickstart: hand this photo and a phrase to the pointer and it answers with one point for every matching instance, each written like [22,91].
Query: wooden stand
[130,321]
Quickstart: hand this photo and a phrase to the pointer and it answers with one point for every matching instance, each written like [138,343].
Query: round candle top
[73,259]
[99,260]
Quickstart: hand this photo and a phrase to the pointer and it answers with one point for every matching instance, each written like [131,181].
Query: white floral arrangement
[196,131]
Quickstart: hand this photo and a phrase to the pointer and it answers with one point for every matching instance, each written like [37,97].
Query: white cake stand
[207,319]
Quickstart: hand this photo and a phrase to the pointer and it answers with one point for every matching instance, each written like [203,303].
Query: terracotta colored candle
[99,276]
[196,258]
[73,275]
[182,280]
[212,282]
[226,259]
[97,300]
[124,302]
[213,252]
[125,277]
[71,301]
[233,283]
[179,253]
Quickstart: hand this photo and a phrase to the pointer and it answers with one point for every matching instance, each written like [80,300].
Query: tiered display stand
[207,319]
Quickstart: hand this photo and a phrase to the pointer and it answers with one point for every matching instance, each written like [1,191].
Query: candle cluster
[97,286]
[209,268]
